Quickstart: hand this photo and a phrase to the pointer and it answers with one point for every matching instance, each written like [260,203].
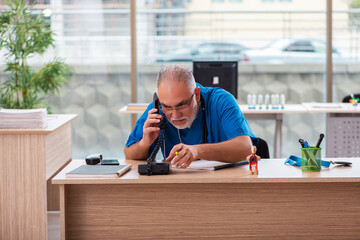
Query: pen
[243,162]
[302,143]
[320,140]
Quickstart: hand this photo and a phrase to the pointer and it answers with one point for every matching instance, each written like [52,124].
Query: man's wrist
[143,144]
[197,151]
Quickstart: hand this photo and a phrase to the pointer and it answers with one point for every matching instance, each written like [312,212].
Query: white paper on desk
[325,105]
[205,164]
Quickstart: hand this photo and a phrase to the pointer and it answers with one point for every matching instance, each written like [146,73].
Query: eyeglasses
[181,106]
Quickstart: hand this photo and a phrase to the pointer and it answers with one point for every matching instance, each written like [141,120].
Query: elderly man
[201,123]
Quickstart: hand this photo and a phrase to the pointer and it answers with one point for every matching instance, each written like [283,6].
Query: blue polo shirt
[224,121]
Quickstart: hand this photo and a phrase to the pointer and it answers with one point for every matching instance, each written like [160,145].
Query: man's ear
[197,93]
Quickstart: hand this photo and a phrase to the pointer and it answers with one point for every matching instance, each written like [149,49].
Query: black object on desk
[320,140]
[109,162]
[151,167]
[93,159]
[341,163]
[229,165]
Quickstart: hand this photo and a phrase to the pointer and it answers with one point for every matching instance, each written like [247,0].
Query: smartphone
[109,162]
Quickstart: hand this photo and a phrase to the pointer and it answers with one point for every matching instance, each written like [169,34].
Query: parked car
[206,51]
[296,50]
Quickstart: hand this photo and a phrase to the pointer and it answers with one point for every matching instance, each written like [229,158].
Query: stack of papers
[324,105]
[137,106]
[23,118]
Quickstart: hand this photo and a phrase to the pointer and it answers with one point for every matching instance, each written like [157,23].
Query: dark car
[205,51]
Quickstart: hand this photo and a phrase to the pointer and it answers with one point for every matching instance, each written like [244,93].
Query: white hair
[176,73]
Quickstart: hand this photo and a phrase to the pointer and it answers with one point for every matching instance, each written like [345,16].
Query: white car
[290,51]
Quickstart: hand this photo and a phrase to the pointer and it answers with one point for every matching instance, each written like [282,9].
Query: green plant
[23,35]
[354,18]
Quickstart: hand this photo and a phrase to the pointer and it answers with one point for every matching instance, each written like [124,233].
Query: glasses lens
[179,108]
[182,107]
[167,108]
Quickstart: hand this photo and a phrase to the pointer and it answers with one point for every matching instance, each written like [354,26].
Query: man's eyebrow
[177,105]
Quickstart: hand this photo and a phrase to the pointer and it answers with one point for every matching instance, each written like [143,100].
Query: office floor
[53,219]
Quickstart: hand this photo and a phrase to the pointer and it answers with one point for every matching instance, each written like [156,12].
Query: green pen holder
[311,159]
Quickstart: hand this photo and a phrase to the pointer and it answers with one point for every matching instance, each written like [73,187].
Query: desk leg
[22,187]
[278,136]
[62,211]
[278,125]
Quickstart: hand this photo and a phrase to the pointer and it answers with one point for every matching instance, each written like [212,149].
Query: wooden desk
[28,158]
[281,202]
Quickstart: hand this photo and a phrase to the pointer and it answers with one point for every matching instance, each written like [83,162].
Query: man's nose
[176,114]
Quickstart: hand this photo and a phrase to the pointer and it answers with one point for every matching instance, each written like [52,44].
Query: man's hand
[150,128]
[140,150]
[182,155]
[232,150]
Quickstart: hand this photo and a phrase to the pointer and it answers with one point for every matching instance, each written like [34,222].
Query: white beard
[189,120]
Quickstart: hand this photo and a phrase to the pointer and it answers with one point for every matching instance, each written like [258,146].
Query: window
[300,46]
[94,38]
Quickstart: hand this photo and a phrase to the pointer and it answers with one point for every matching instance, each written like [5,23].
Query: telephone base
[156,169]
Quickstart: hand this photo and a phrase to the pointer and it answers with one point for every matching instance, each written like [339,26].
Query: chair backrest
[347,98]
[262,149]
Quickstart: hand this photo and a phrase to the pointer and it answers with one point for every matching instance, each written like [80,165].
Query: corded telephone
[152,167]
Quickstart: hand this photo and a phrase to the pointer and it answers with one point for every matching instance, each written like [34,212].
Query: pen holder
[311,159]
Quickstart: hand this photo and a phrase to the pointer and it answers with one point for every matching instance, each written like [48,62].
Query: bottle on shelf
[273,101]
[267,101]
[254,101]
[249,101]
[282,101]
[260,101]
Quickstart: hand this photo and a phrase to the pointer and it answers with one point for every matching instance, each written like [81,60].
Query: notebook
[214,165]
[98,171]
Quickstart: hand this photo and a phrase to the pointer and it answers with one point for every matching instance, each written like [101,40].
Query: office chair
[262,149]
[347,98]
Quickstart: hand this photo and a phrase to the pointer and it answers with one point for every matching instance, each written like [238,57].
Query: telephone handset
[162,123]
